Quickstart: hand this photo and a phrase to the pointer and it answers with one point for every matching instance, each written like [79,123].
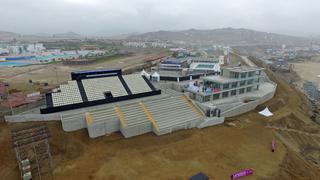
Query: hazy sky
[88,17]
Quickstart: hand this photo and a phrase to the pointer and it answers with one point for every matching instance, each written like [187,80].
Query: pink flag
[242,173]
[273,145]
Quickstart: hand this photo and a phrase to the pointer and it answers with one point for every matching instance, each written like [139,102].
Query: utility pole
[57,75]
[9,98]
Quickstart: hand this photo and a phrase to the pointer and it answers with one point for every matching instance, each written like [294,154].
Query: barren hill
[4,35]
[228,36]
[10,36]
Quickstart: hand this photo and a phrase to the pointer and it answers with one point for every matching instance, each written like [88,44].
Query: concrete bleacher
[130,119]
[162,116]
[105,121]
[95,88]
[69,94]
[174,113]
[136,83]
[137,121]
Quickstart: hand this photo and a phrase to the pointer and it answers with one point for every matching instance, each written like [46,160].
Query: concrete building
[231,82]
[35,48]
[236,91]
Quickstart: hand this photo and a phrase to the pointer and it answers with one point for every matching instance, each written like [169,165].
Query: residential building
[231,82]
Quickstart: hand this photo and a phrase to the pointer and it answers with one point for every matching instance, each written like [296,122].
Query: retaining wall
[73,122]
[211,122]
[136,130]
[32,118]
[176,127]
[246,107]
[102,128]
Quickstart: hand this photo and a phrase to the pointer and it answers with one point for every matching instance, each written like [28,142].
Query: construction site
[208,127]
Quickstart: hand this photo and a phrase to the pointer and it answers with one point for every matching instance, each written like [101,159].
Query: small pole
[57,75]
[9,98]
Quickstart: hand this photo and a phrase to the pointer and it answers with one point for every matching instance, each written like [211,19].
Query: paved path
[248,61]
[245,59]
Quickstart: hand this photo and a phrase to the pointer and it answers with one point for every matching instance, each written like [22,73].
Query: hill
[228,36]
[4,35]
[10,36]
[68,35]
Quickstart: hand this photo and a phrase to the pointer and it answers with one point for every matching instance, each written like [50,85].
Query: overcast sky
[108,17]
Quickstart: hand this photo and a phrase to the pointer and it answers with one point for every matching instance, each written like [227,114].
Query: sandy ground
[308,71]
[217,151]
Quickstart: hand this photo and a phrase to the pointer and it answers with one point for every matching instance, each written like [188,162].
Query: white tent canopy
[144,73]
[266,112]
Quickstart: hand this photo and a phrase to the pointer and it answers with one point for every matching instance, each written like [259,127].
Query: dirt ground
[308,71]
[19,77]
[217,151]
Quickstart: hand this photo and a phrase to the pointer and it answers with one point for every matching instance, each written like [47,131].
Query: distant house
[89,47]
[312,90]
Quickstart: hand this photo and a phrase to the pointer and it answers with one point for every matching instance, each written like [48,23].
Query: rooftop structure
[181,69]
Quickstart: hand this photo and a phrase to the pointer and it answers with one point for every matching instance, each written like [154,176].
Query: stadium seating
[96,91]
[136,83]
[69,94]
[172,112]
[95,88]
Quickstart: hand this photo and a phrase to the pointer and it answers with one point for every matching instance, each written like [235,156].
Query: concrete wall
[73,122]
[211,122]
[136,130]
[32,118]
[246,107]
[171,85]
[102,128]
[184,125]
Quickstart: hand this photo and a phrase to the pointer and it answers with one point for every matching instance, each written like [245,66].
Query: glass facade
[225,94]
[233,92]
[246,81]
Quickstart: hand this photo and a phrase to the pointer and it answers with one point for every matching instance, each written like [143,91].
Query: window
[250,81]
[221,72]
[234,85]
[226,86]
[257,80]
[233,92]
[243,75]
[257,88]
[225,94]
[251,73]
[249,89]
[234,75]
[216,85]
[216,96]
[241,91]
[206,98]
[242,83]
